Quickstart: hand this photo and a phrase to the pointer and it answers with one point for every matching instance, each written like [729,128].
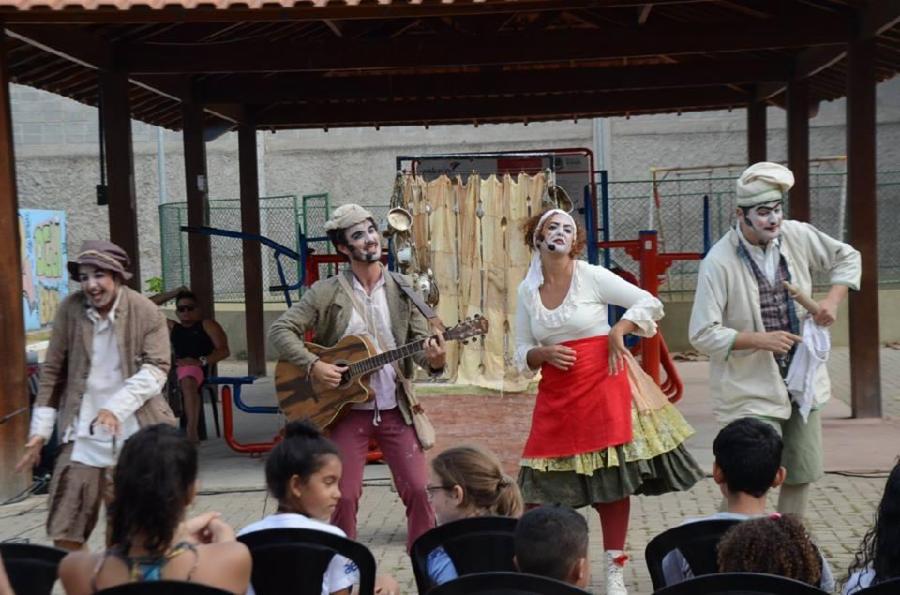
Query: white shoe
[615,573]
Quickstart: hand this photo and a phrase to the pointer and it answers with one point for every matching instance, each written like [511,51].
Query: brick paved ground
[840,511]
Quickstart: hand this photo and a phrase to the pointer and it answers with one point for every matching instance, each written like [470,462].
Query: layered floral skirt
[651,460]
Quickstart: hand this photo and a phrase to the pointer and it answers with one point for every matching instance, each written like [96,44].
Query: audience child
[878,558]
[154,483]
[467,481]
[552,541]
[747,465]
[303,472]
[774,544]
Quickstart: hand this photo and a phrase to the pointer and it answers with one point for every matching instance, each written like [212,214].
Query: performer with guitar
[370,302]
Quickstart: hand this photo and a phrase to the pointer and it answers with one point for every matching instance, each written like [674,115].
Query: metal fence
[283,219]
[674,206]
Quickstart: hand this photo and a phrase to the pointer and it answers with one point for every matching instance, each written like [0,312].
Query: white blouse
[583,312]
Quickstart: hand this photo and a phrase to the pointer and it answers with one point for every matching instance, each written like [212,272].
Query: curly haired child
[776,544]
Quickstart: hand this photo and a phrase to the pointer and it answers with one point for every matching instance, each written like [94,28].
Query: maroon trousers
[404,457]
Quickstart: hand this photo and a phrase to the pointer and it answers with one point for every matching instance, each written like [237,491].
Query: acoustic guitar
[302,397]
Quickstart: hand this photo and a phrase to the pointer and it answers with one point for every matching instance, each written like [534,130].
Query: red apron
[583,409]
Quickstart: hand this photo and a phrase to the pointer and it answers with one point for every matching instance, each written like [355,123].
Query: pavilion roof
[320,63]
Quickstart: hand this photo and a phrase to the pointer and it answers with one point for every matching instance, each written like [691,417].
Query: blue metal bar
[237,382]
[604,207]
[214,231]
[281,277]
[707,226]
[591,226]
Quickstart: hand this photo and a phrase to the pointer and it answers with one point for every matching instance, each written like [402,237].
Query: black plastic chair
[477,544]
[505,583]
[162,587]
[208,392]
[290,561]
[697,543]
[889,587]
[31,567]
[740,583]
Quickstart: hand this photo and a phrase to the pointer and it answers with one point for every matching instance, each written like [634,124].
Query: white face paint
[765,221]
[363,242]
[559,235]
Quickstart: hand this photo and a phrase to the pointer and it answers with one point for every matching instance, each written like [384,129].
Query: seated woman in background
[155,481]
[775,544]
[302,473]
[198,343]
[467,481]
[878,558]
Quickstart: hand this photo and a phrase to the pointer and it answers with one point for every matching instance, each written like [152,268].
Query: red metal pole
[650,282]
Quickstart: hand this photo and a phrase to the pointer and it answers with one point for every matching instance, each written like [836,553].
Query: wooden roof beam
[73,44]
[303,86]
[461,50]
[307,12]
[874,20]
[499,109]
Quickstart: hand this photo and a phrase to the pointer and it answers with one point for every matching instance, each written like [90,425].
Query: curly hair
[152,488]
[530,226]
[777,544]
[880,547]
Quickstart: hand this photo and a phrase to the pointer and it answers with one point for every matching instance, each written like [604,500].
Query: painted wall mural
[45,280]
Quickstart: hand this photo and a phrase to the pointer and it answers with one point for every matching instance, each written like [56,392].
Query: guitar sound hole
[345,379]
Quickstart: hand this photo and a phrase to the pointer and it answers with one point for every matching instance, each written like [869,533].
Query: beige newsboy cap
[347,216]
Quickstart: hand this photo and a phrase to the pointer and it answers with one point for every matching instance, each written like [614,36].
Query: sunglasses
[186,308]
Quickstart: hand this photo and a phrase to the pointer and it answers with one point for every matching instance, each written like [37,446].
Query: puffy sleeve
[641,307]
[525,340]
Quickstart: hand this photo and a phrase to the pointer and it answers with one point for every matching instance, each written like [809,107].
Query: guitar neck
[371,364]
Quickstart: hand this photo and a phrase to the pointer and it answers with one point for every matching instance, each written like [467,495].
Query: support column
[756,132]
[253,289]
[798,147]
[123,226]
[13,397]
[865,369]
[199,250]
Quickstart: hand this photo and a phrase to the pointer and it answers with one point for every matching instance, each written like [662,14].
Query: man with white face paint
[101,381]
[330,310]
[745,320]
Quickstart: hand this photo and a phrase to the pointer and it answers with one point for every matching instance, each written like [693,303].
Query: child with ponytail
[467,481]
[303,472]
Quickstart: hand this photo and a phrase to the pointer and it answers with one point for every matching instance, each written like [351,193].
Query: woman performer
[588,444]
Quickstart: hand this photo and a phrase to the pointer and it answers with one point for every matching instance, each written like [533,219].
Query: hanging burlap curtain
[469,235]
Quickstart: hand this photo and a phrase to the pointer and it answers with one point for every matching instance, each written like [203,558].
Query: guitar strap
[427,311]
[373,330]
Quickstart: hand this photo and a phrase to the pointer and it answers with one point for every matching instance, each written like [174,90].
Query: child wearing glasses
[467,481]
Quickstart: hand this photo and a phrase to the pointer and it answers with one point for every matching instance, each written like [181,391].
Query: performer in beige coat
[744,319]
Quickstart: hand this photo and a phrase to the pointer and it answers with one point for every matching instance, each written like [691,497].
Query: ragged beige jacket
[142,337]
[747,382]
[325,309]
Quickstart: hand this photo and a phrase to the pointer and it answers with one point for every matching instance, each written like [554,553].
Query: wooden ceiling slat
[252,89]
[454,50]
[568,106]
[540,58]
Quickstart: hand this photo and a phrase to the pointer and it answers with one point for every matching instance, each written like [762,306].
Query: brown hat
[103,255]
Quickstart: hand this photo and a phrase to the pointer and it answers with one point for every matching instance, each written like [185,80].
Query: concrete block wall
[58,168]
